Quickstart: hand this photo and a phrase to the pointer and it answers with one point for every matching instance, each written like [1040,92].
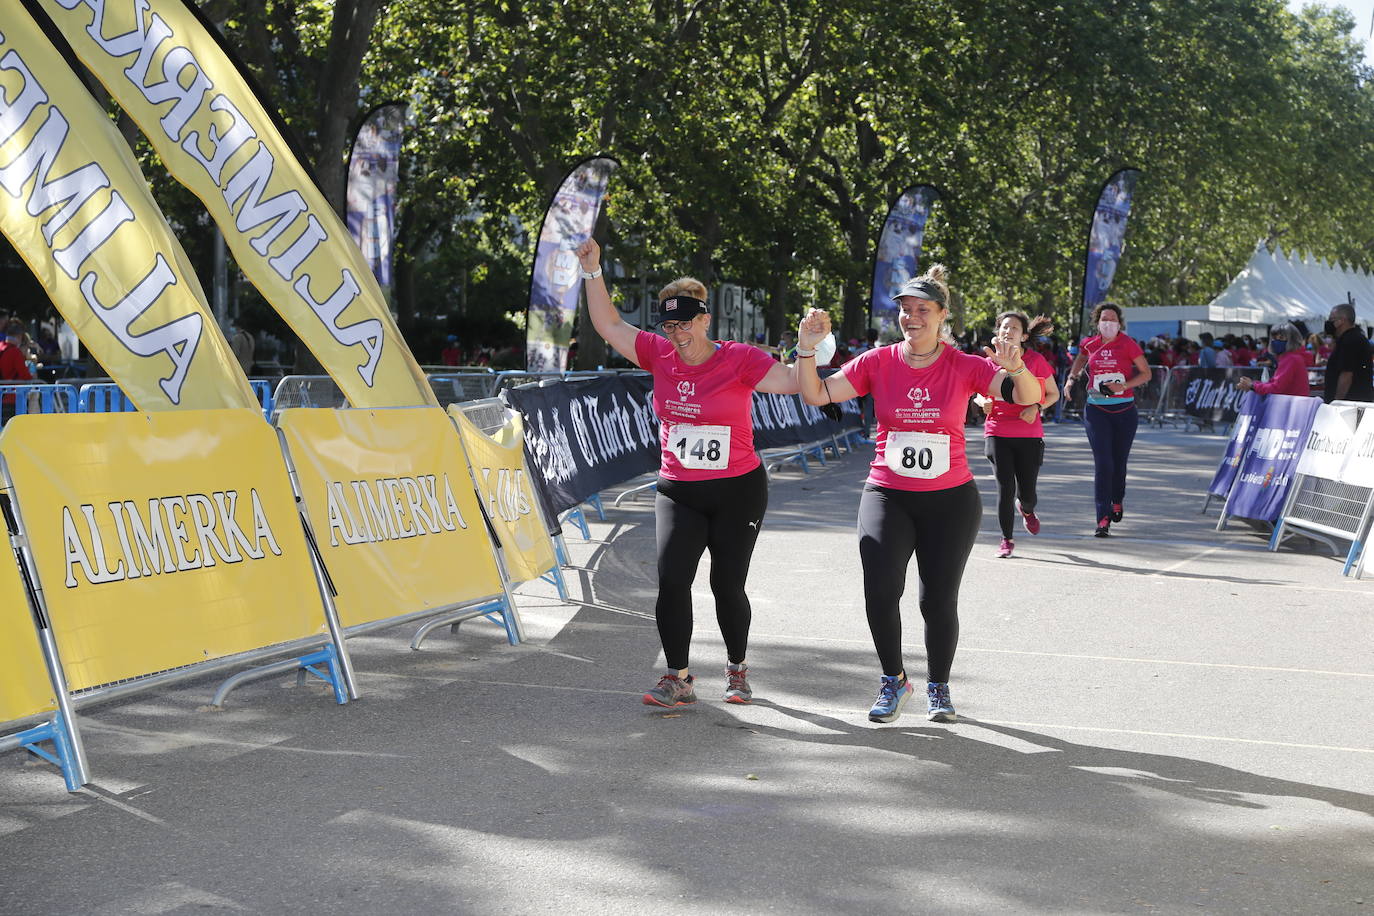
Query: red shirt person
[1290,376]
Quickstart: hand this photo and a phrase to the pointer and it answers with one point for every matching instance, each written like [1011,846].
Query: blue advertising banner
[1106,237]
[556,280]
[1242,433]
[374,168]
[899,252]
[1271,460]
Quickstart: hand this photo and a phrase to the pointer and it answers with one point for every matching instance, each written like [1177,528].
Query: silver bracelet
[801,352]
[593,275]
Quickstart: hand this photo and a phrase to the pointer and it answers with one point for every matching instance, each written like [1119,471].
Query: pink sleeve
[980,372]
[754,364]
[1283,375]
[859,372]
[647,349]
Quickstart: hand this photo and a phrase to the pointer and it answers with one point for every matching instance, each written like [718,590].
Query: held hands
[813,329]
[589,255]
[1007,355]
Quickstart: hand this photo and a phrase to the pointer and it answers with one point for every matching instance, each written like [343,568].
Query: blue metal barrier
[38,399]
[263,389]
[105,397]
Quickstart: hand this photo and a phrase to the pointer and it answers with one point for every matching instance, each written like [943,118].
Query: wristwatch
[593,275]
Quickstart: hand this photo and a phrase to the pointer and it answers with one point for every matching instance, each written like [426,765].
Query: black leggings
[1017,460]
[723,515]
[939,526]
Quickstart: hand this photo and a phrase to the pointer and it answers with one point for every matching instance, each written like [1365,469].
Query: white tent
[1280,287]
[1272,287]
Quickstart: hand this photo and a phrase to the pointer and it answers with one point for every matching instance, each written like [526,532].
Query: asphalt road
[1170,720]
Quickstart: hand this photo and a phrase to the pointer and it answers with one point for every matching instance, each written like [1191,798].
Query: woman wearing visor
[1115,364]
[712,488]
[920,497]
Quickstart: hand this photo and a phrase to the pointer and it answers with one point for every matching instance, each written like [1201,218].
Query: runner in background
[920,498]
[1290,375]
[712,489]
[1115,365]
[1014,434]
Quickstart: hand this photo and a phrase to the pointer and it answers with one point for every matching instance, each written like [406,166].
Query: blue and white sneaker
[938,706]
[893,692]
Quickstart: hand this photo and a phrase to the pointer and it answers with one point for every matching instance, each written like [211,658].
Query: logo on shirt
[686,390]
[918,396]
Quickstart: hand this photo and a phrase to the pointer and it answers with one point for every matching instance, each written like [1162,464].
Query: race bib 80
[921,455]
[701,448]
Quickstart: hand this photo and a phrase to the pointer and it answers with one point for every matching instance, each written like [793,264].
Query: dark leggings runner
[939,526]
[724,516]
[1017,460]
[1111,431]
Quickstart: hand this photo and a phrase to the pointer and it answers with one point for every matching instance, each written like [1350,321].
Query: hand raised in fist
[813,329]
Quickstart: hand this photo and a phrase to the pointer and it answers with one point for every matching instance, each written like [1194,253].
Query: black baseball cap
[680,308]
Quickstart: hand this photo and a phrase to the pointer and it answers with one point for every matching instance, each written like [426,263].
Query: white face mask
[1108,328]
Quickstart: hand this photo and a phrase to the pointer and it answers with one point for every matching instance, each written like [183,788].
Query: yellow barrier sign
[24,685]
[161,539]
[393,510]
[498,464]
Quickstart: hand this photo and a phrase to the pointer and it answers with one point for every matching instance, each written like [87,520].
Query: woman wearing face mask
[920,497]
[1015,436]
[712,488]
[1115,365]
[1290,376]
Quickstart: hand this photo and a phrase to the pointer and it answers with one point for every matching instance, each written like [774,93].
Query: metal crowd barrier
[459,385]
[1170,406]
[37,397]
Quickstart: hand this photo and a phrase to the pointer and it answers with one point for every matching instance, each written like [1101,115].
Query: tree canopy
[761,141]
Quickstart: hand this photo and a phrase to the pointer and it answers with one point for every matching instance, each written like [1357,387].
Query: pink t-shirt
[920,415]
[1290,377]
[705,428]
[1004,417]
[1112,362]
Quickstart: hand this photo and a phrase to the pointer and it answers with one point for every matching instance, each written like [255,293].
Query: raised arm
[815,390]
[615,330]
[1025,386]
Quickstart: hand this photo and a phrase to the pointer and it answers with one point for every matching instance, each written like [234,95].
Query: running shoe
[736,685]
[1004,549]
[1116,512]
[938,706]
[672,691]
[1029,519]
[1104,526]
[893,693]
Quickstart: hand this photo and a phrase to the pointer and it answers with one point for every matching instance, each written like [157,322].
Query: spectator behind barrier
[1348,376]
[1290,376]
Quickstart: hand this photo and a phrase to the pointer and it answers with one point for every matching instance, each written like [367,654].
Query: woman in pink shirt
[1015,442]
[712,488]
[1290,375]
[920,497]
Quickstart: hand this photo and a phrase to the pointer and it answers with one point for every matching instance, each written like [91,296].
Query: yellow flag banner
[76,207]
[24,685]
[161,539]
[165,69]
[503,481]
[391,503]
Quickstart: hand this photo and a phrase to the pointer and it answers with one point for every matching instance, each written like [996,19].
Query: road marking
[1131,731]
[845,713]
[1097,658]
